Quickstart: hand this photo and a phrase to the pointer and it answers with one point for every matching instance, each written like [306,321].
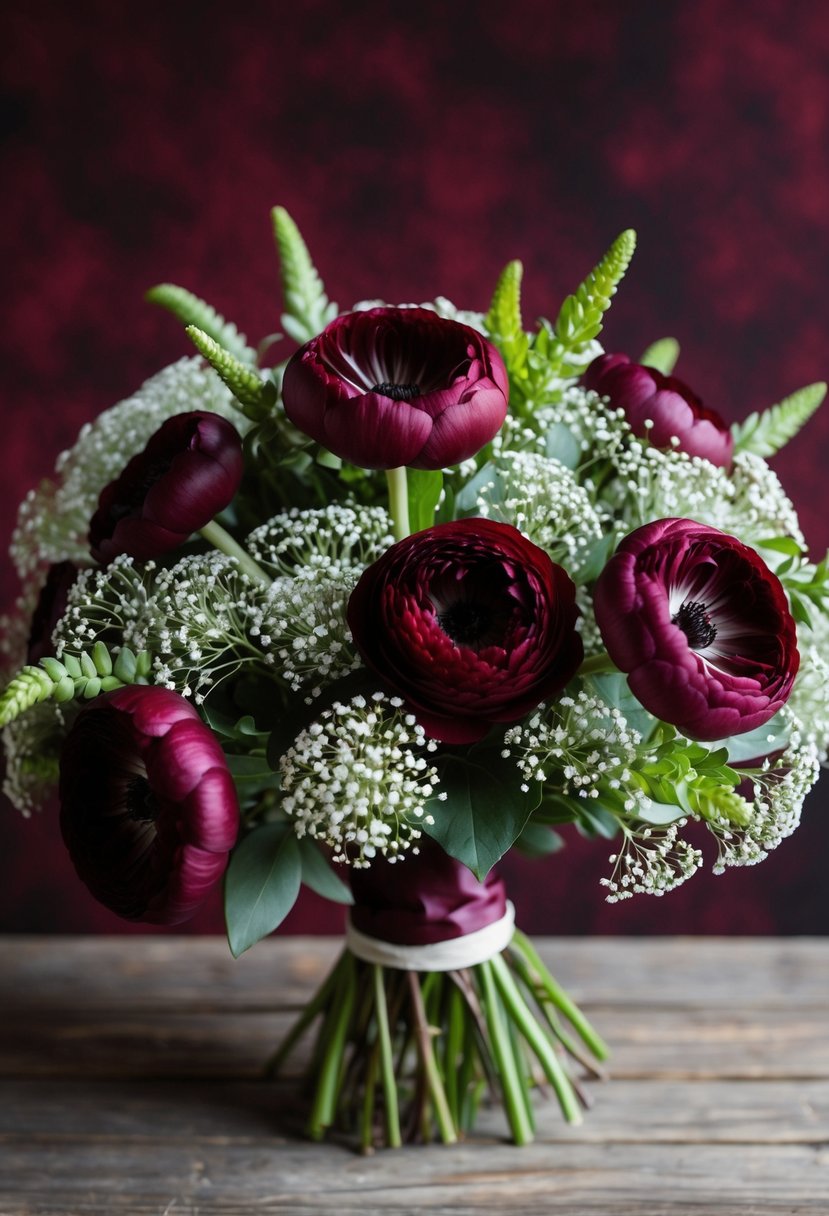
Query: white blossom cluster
[440,305]
[31,744]
[107,604]
[300,626]
[542,498]
[578,744]
[340,534]
[198,623]
[651,861]
[359,779]
[53,520]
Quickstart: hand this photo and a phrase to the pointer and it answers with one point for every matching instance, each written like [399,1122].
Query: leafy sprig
[307,307]
[766,433]
[192,310]
[74,677]
[256,397]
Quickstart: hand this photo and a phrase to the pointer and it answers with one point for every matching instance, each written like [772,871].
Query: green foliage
[319,876]
[74,677]
[767,432]
[485,810]
[662,355]
[504,324]
[424,489]
[261,884]
[580,318]
[806,584]
[255,395]
[307,308]
[192,311]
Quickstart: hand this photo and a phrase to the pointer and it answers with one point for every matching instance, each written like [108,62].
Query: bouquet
[368,618]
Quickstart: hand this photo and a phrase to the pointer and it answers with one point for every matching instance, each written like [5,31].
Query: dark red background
[419,149]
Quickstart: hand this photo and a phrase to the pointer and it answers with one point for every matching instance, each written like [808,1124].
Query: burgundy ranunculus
[701,626]
[646,395]
[397,386]
[149,810]
[423,898]
[187,473]
[470,623]
[51,605]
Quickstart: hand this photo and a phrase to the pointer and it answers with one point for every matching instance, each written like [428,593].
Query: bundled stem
[406,1056]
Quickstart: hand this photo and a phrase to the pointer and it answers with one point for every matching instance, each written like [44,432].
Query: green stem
[525,1022]
[386,1059]
[367,1121]
[216,535]
[560,998]
[505,1061]
[597,665]
[314,1006]
[398,501]
[325,1099]
[448,1132]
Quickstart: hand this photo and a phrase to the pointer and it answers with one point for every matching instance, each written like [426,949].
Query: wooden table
[130,1082]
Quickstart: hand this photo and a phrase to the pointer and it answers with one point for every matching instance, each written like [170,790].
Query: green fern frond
[767,432]
[254,395]
[580,318]
[193,311]
[307,307]
[662,355]
[504,323]
[74,677]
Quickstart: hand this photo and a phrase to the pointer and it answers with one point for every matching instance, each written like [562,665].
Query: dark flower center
[140,801]
[466,623]
[397,392]
[694,621]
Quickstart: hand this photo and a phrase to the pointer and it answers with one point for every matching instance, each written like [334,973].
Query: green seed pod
[88,667]
[64,690]
[125,665]
[93,687]
[101,659]
[54,669]
[72,666]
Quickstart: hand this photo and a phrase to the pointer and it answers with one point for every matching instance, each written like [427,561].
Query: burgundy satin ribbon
[424,899]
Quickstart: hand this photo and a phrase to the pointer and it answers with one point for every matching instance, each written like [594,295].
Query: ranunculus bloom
[187,473]
[149,810]
[701,626]
[647,396]
[397,386]
[470,623]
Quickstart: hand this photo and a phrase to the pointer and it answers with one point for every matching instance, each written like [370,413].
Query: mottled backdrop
[419,147]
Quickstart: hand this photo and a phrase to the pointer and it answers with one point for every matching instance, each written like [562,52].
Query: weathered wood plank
[135,973]
[543,1177]
[658,1043]
[625,1112]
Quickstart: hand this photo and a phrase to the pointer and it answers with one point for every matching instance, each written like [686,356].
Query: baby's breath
[300,626]
[109,604]
[339,534]
[358,778]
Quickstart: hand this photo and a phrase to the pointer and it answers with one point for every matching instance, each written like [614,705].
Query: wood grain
[130,1082]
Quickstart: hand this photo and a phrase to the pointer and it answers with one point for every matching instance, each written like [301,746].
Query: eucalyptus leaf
[484,813]
[261,884]
[562,444]
[595,820]
[319,876]
[539,840]
[613,689]
[772,736]
[658,813]
[466,500]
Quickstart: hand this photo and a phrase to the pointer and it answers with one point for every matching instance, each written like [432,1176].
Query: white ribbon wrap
[450,955]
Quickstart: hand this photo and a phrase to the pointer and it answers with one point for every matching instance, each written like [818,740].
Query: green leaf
[772,736]
[307,308]
[319,876]
[662,355]
[255,395]
[580,317]
[596,557]
[781,544]
[614,690]
[485,810]
[562,445]
[424,489]
[251,768]
[659,813]
[193,311]
[503,321]
[539,840]
[766,433]
[261,884]
[596,820]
